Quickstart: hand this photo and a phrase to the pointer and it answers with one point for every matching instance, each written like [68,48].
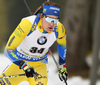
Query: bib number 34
[36,50]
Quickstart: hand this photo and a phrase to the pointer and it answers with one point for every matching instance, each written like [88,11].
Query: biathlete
[29,44]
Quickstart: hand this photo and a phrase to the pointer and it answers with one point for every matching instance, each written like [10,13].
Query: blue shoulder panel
[34,24]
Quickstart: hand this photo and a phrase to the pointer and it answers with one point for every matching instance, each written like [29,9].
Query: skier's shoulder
[60,27]
[59,24]
[30,18]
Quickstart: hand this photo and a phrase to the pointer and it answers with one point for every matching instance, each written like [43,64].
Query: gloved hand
[62,72]
[29,70]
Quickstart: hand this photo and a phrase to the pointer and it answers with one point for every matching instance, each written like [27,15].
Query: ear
[41,15]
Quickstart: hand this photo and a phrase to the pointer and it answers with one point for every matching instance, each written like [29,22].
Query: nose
[52,23]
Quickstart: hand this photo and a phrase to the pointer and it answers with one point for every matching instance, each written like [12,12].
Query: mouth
[50,28]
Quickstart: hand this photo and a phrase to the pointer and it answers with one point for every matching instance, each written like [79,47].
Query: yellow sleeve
[61,40]
[19,34]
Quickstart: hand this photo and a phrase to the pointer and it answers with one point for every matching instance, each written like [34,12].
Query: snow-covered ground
[53,77]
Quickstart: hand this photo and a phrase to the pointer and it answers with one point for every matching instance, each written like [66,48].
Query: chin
[50,30]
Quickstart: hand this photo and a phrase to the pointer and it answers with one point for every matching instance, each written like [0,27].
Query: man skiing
[29,44]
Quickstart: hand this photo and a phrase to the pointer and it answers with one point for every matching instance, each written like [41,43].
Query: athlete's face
[49,22]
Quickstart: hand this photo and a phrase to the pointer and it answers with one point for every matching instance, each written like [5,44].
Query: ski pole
[54,59]
[56,64]
[27,7]
[12,76]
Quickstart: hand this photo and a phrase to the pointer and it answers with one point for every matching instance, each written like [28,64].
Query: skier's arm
[61,41]
[15,39]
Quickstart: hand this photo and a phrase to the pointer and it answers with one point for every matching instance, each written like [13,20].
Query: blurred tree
[16,12]
[3,23]
[96,45]
[77,21]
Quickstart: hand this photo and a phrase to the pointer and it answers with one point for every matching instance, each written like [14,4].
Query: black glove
[29,70]
[62,72]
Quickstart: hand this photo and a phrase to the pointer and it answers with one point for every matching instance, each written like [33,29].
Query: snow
[53,78]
